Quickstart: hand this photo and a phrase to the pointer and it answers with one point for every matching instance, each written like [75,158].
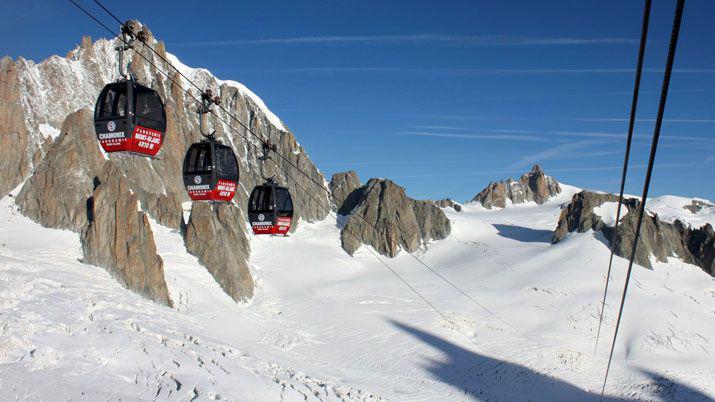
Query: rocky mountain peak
[385,218]
[658,239]
[119,237]
[533,186]
[344,191]
[449,203]
[47,140]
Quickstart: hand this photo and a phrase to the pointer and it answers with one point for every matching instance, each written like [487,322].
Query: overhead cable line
[404,281]
[420,295]
[631,124]
[291,163]
[677,19]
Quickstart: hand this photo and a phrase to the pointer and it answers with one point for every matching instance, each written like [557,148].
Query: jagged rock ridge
[657,238]
[533,186]
[344,191]
[119,237]
[384,217]
[216,235]
[696,206]
[61,92]
[449,203]
[56,194]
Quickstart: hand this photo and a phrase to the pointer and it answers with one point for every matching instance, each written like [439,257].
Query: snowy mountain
[326,326]
[60,175]
[114,286]
[534,186]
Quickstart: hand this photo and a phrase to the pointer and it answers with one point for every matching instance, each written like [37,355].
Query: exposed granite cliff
[658,239]
[449,203]
[36,98]
[533,186]
[385,218]
[56,194]
[216,235]
[119,237]
[344,189]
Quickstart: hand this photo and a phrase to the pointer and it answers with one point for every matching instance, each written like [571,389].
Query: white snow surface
[608,210]
[671,207]
[48,131]
[195,73]
[326,326]
[667,207]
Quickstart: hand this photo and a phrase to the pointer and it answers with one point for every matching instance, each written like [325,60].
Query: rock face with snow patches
[388,220]
[696,206]
[534,186]
[38,98]
[700,243]
[578,215]
[119,238]
[20,148]
[226,253]
[449,203]
[344,189]
[658,238]
[56,195]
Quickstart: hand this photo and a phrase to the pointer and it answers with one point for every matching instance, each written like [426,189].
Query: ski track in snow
[325,326]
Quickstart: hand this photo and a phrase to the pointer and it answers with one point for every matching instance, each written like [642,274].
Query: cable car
[210,172]
[270,209]
[129,117]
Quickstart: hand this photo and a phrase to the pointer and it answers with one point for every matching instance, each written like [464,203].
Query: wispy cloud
[508,171]
[674,120]
[620,136]
[417,39]
[501,137]
[559,151]
[710,159]
[549,135]
[584,119]
[585,134]
[454,70]
[410,162]
[456,128]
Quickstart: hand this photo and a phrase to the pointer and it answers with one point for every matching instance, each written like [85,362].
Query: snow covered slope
[671,207]
[325,326]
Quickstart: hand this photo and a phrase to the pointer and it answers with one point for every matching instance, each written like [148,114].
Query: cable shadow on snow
[523,234]
[484,378]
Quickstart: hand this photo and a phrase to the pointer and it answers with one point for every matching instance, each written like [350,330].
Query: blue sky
[442,97]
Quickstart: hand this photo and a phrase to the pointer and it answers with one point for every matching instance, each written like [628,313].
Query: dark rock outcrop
[216,235]
[119,238]
[533,186]
[658,239]
[56,194]
[578,214]
[344,189]
[58,187]
[388,220]
[700,244]
[20,148]
[696,206]
[449,203]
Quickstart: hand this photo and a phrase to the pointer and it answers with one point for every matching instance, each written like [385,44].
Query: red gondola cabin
[270,209]
[210,172]
[129,117]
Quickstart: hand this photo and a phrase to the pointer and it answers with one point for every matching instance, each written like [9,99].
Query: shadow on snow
[484,378]
[524,235]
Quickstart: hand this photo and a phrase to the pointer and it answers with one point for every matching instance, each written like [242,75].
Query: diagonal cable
[631,124]
[292,164]
[677,19]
